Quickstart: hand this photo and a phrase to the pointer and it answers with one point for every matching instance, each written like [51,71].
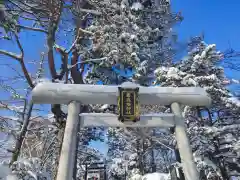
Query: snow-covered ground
[4,171]
[6,174]
[152,176]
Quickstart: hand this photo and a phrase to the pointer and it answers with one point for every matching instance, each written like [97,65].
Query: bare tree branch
[54,20]
[26,10]
[10,54]
[88,61]
[32,19]
[31,28]
[19,44]
[91,11]
[80,31]
[24,69]
[20,59]
[22,134]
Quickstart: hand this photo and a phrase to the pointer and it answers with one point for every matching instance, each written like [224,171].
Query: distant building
[96,171]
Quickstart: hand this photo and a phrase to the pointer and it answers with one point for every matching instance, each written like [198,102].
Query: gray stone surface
[111,120]
[57,93]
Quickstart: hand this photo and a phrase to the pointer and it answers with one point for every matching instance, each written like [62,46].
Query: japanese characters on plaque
[128,104]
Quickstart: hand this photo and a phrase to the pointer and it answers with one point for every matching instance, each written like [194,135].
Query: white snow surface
[137,6]
[151,176]
[156,176]
[28,168]
[235,101]
[4,171]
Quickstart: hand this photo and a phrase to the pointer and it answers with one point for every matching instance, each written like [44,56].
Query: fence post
[66,162]
[189,167]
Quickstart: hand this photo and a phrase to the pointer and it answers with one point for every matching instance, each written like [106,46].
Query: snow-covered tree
[28,168]
[130,36]
[34,135]
[117,169]
[134,40]
[147,150]
[213,131]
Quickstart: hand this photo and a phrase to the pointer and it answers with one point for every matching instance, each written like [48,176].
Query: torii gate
[76,94]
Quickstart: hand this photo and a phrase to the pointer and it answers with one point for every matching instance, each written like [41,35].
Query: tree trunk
[76,155]
[153,168]
[173,173]
[22,134]
[178,158]
[60,136]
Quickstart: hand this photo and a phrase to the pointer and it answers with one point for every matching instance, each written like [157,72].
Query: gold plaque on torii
[128,105]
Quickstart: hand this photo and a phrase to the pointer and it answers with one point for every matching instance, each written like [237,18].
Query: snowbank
[156,176]
[4,171]
[152,176]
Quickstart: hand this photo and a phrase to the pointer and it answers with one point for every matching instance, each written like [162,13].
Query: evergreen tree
[131,37]
[213,131]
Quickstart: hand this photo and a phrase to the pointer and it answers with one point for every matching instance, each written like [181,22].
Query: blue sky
[219,20]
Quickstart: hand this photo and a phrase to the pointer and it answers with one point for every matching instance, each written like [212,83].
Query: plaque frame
[128,105]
